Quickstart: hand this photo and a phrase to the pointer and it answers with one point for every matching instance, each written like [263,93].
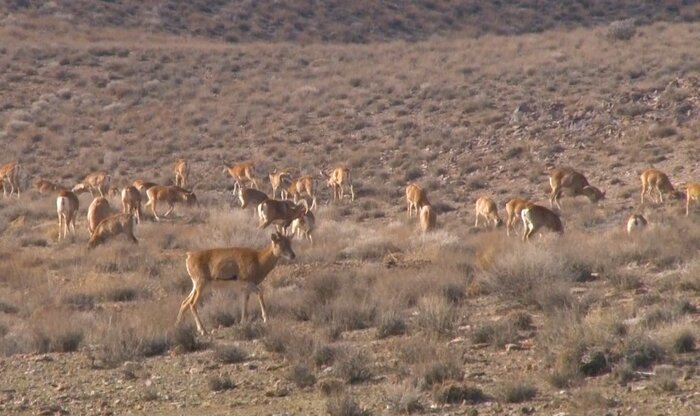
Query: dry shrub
[345,406]
[436,315]
[302,375]
[404,398]
[457,393]
[220,382]
[517,392]
[391,323]
[621,29]
[354,367]
[230,354]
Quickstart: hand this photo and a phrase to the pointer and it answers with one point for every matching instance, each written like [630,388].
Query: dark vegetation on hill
[350,21]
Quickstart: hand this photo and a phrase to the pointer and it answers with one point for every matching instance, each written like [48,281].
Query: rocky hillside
[347,21]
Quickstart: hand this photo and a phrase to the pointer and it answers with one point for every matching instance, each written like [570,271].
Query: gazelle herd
[293,216]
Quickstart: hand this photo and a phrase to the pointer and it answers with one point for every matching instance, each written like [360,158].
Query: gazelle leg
[261,301]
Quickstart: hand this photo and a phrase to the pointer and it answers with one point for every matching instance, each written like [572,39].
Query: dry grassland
[374,318]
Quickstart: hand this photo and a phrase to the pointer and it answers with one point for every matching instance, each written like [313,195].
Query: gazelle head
[594,194]
[282,246]
[190,197]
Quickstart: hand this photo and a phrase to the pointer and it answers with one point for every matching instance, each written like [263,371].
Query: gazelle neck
[267,258]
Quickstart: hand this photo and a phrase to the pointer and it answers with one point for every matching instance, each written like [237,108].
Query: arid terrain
[375,317]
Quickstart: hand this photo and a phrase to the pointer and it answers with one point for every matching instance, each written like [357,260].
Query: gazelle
[182,172]
[653,179]
[98,210]
[535,217]
[249,197]
[96,182]
[242,172]
[692,193]
[280,213]
[67,205]
[170,195]
[112,226]
[416,197]
[299,187]
[514,208]
[277,179]
[9,173]
[131,202]
[143,186]
[43,186]
[574,183]
[428,218]
[636,223]
[304,226]
[246,266]
[337,179]
[487,208]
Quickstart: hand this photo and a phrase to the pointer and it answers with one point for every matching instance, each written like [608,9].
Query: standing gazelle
[692,193]
[278,179]
[242,172]
[98,210]
[246,266]
[10,173]
[337,179]
[416,198]
[67,205]
[514,208]
[573,182]
[182,172]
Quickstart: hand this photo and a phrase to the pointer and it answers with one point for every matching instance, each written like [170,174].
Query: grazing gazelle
[416,197]
[636,223]
[112,226]
[298,187]
[337,180]
[9,173]
[692,193]
[535,217]
[96,182]
[303,226]
[572,182]
[98,210]
[182,172]
[43,186]
[487,208]
[248,267]
[170,195]
[67,205]
[428,218]
[277,179]
[514,208]
[131,202]
[242,172]
[653,179]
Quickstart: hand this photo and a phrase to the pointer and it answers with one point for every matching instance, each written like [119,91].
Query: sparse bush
[220,383]
[184,337]
[391,324]
[436,315]
[621,29]
[345,406]
[302,375]
[250,330]
[457,393]
[642,352]
[325,355]
[440,372]
[517,392]
[230,354]
[404,398]
[354,368]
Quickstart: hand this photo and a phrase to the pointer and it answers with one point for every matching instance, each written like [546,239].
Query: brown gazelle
[143,186]
[416,197]
[43,186]
[249,197]
[428,218]
[536,217]
[573,183]
[170,195]
[303,226]
[298,187]
[281,213]
[692,193]
[655,180]
[112,226]
[636,223]
[337,179]
[131,202]
[182,172]
[487,208]
[96,182]
[67,205]
[242,173]
[278,179]
[9,173]
[98,210]
[514,208]
[245,266]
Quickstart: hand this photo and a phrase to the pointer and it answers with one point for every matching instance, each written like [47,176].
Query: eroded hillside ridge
[349,21]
